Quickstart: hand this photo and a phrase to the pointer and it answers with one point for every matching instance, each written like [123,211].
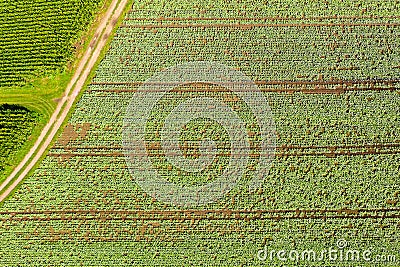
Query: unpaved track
[76,84]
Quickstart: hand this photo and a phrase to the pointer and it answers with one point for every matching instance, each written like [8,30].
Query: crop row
[103,183]
[300,119]
[39,243]
[259,9]
[263,53]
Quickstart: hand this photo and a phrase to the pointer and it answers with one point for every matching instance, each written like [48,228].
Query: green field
[38,38]
[16,125]
[330,73]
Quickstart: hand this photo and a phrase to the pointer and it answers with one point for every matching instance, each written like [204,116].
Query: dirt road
[72,91]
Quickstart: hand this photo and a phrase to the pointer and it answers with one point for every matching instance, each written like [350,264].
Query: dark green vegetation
[16,125]
[38,38]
